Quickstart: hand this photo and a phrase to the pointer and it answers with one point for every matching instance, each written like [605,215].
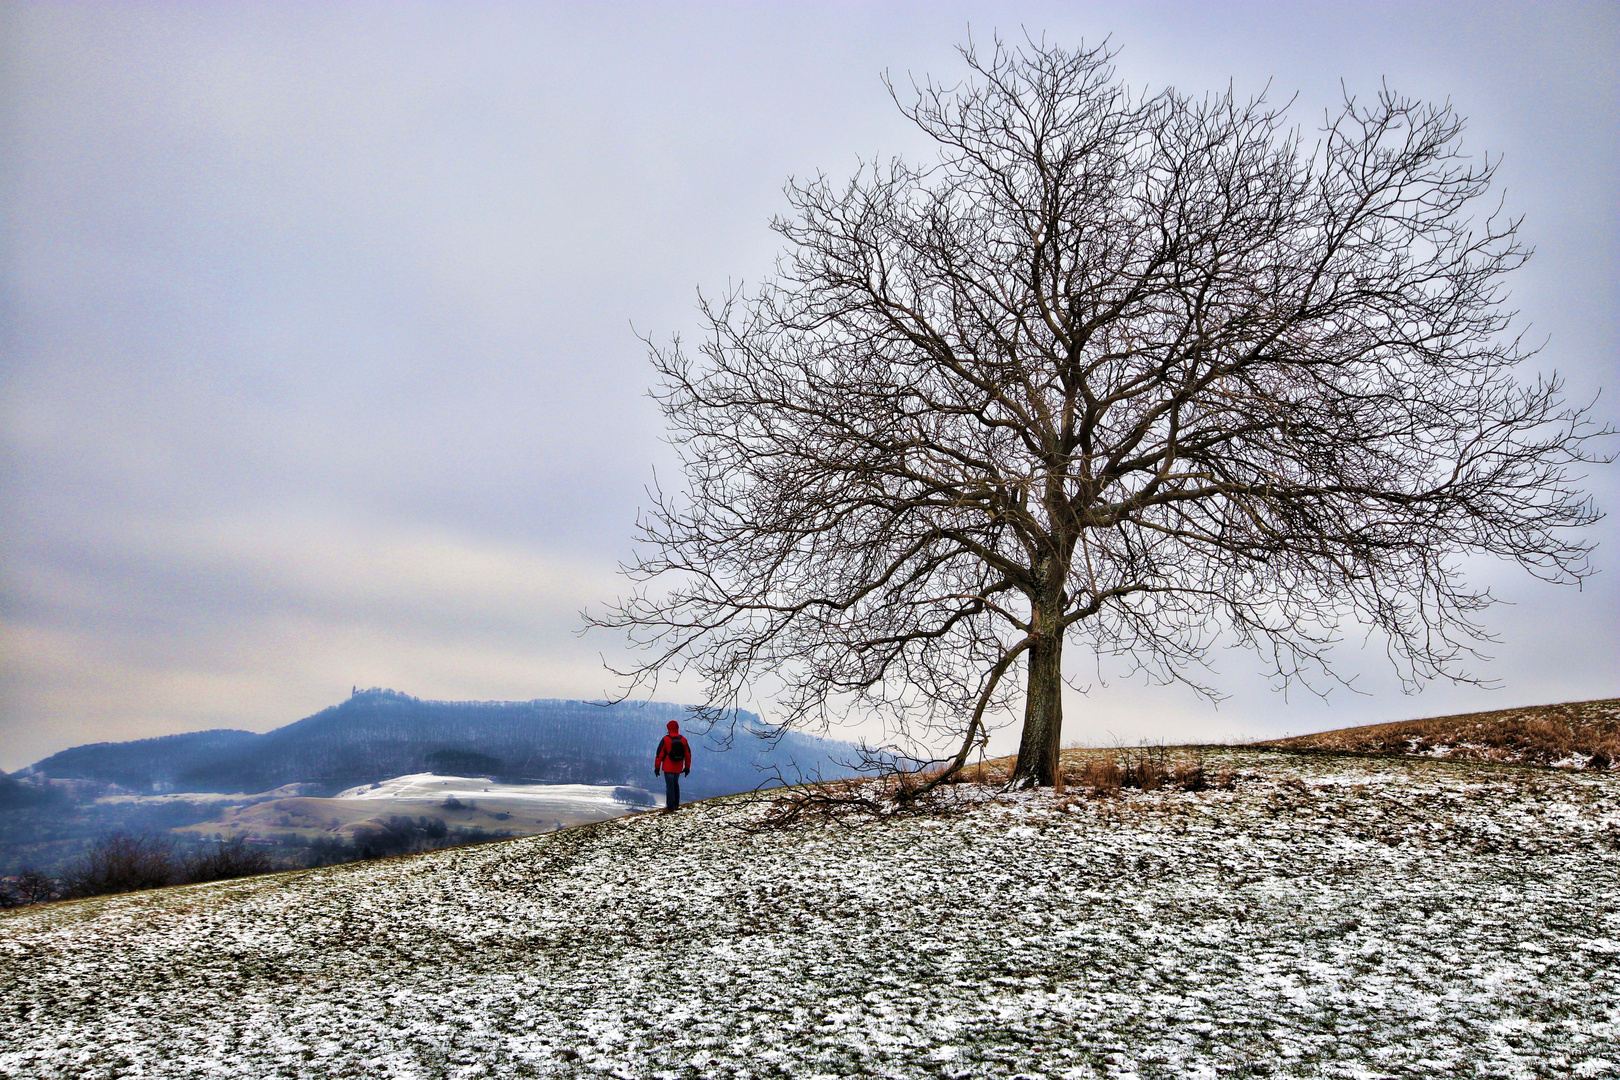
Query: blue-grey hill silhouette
[378,733]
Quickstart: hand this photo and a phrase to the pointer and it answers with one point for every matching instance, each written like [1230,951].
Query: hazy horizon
[320,323]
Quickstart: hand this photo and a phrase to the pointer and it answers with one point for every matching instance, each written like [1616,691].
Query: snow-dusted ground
[1372,918]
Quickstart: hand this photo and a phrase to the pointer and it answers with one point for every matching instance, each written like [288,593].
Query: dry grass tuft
[1189,776]
[1104,773]
[995,771]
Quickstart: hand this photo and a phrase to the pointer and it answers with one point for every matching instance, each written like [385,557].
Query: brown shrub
[1604,748]
[1189,776]
[1106,773]
[1146,772]
[1103,775]
[902,786]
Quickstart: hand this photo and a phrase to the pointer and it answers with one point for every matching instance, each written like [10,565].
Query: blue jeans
[672,790]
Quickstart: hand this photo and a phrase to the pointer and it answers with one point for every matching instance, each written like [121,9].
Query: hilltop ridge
[378,733]
[1573,734]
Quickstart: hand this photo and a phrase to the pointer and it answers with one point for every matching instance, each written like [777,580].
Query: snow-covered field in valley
[1332,917]
[431,787]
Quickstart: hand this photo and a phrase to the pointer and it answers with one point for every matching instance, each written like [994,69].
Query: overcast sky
[319,325]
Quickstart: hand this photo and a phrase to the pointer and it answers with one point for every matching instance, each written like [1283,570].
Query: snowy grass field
[1331,917]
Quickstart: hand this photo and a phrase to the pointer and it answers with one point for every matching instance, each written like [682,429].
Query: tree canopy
[1135,371]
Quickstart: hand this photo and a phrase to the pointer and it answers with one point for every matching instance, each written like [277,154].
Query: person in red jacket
[674,760]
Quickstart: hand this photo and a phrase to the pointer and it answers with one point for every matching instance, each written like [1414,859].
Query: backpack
[677,750]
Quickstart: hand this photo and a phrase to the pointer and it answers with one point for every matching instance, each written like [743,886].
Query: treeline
[396,835]
[19,795]
[48,825]
[123,862]
[143,765]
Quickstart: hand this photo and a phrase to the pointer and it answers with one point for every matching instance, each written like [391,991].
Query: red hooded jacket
[674,752]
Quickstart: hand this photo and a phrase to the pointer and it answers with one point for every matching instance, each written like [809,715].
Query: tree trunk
[1043,715]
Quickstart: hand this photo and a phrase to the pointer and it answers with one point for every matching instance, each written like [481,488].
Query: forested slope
[377,734]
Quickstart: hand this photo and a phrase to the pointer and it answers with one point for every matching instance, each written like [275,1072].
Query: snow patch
[434,786]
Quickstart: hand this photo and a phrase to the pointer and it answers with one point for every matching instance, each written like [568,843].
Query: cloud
[253,621]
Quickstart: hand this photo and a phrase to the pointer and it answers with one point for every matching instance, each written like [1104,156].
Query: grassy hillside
[1579,734]
[1330,916]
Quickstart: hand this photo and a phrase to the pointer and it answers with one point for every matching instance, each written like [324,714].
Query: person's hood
[674,728]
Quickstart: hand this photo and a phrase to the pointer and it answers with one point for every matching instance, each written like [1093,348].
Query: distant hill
[1575,734]
[377,734]
[140,764]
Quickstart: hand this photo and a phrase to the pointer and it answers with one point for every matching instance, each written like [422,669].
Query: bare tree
[1139,372]
[29,886]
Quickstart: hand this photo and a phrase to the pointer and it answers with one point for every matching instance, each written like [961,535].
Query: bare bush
[1189,776]
[1145,772]
[119,863]
[227,859]
[829,801]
